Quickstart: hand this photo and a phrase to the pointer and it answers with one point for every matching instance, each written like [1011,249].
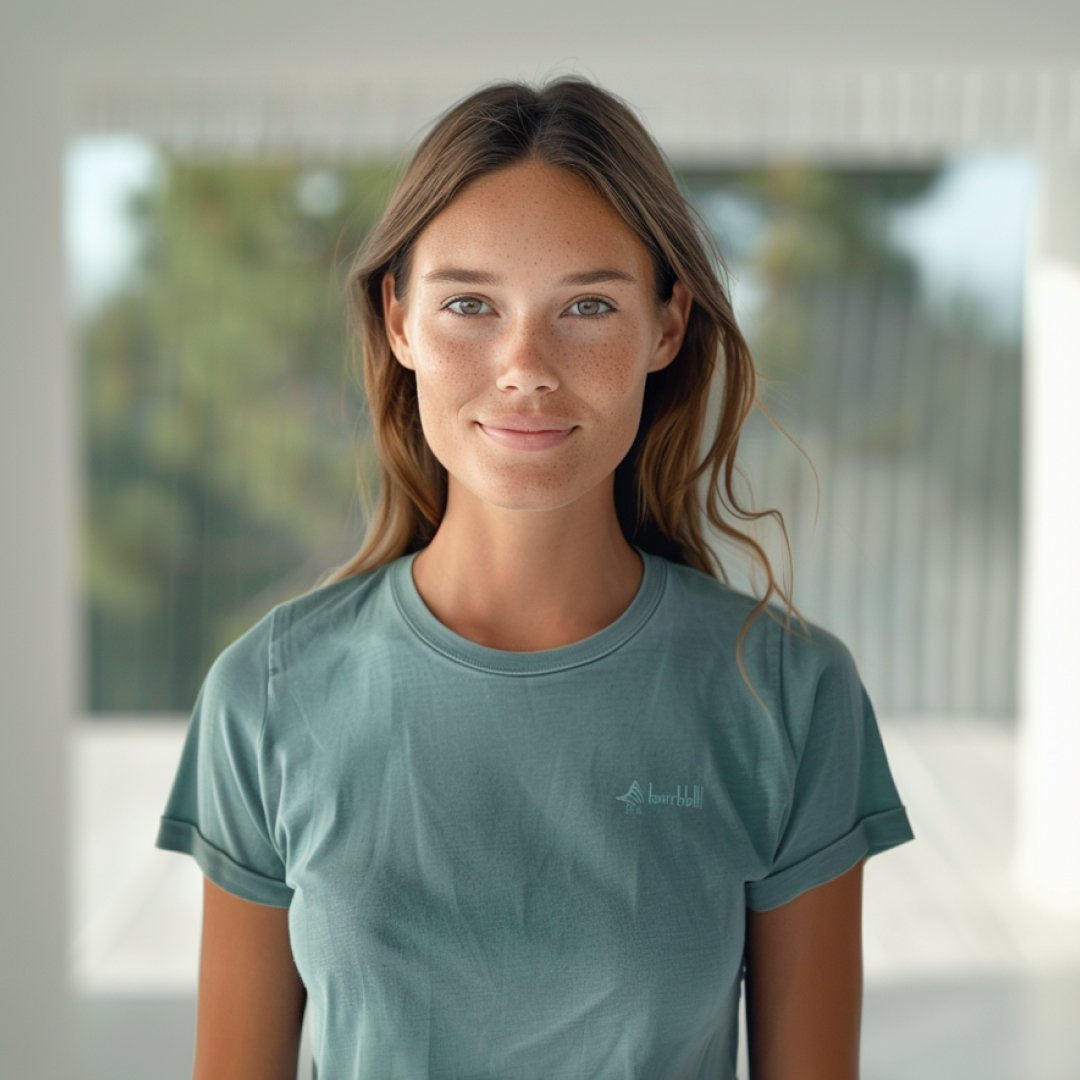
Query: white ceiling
[835,78]
[341,37]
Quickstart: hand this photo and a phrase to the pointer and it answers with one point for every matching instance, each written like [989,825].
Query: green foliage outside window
[221,426]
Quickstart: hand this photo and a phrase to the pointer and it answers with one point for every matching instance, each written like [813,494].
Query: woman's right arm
[251,998]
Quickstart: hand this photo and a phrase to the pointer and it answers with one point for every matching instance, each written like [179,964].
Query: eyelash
[581,300]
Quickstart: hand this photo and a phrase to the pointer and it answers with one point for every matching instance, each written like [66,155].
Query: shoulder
[794,662]
[240,671]
[795,649]
[323,621]
[809,652]
[813,662]
[822,699]
[314,619]
[707,605]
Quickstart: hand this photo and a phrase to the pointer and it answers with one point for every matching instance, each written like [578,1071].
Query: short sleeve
[843,805]
[217,810]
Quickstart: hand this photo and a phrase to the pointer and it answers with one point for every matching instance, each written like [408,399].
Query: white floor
[963,977]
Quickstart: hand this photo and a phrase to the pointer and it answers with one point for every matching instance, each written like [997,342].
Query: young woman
[526,789]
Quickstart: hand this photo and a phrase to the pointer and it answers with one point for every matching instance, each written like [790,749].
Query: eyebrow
[480,277]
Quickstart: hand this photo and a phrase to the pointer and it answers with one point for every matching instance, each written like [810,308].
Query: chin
[524,504]
[517,493]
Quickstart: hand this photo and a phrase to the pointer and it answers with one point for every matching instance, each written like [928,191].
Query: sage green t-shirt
[537,865]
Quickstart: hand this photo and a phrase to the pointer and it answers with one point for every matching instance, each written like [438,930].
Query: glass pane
[883,307]
[221,428]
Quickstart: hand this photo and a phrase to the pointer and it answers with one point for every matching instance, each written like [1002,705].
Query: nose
[525,360]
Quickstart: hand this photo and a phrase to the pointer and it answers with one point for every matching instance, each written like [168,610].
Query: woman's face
[530,299]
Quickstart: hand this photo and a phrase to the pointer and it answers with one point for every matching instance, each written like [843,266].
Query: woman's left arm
[804,984]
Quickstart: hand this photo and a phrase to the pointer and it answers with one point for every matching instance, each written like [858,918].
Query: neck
[525,581]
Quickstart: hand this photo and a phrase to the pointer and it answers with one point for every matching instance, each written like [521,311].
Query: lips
[526,440]
[528,423]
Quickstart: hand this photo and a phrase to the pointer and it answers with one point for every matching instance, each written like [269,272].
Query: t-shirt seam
[269,676]
[271,670]
[780,647]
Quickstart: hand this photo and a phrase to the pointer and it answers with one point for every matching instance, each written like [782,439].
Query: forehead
[533,213]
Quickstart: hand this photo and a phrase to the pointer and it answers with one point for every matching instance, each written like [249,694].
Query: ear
[674,316]
[394,320]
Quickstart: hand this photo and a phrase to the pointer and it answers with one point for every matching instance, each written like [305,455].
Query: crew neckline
[437,635]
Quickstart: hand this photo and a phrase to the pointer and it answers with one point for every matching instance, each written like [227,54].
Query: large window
[222,430]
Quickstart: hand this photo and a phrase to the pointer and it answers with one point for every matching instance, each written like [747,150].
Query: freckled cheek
[611,373]
[450,374]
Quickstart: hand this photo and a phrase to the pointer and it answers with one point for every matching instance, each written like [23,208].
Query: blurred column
[37,575]
[1047,857]
[38,607]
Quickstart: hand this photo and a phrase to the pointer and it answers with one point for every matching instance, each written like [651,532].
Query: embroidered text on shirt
[635,798]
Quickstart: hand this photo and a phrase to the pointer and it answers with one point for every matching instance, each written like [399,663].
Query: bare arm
[251,997]
[804,984]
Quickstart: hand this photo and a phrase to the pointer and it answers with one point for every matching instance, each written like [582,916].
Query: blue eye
[464,300]
[594,300]
[477,304]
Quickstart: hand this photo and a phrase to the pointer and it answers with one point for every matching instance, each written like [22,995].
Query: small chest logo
[685,796]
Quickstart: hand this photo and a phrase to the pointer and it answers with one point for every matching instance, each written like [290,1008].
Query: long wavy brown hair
[572,123]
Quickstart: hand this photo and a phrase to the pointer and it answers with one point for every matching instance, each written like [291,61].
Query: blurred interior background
[897,199]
